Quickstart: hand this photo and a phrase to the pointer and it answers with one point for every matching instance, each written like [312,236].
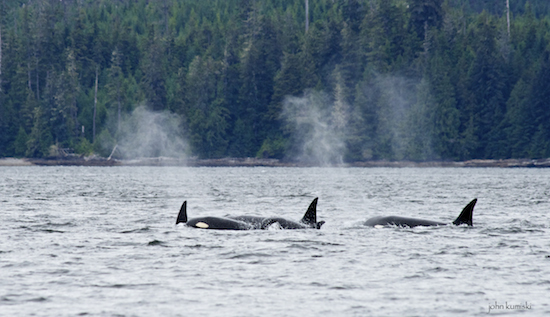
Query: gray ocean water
[102,241]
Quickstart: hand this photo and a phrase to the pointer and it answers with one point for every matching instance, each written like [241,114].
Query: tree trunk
[165,14]
[29,76]
[426,43]
[95,103]
[119,107]
[37,80]
[0,57]
[508,16]
[307,15]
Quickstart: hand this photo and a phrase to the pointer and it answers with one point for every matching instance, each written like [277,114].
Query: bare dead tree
[307,15]
[508,16]
[95,102]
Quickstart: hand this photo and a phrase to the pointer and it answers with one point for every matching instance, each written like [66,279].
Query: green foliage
[104,143]
[425,14]
[272,149]
[40,140]
[84,147]
[404,79]
[20,143]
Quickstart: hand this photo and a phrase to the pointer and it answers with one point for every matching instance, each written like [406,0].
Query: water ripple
[124,255]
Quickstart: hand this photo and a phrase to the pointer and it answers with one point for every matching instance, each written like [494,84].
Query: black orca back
[310,217]
[218,223]
[250,222]
[465,217]
[466,214]
[182,216]
[400,222]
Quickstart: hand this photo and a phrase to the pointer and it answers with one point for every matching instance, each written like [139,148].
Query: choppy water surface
[102,241]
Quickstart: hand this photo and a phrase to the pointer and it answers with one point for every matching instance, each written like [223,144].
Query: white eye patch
[202,225]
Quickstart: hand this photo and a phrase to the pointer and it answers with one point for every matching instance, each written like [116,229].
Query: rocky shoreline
[250,162]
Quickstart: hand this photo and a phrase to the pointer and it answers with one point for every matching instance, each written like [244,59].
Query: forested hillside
[357,80]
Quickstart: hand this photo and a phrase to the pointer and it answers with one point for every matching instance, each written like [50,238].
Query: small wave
[302,246]
[527,283]
[299,195]
[511,230]
[437,269]
[51,231]
[131,286]
[145,229]
[250,255]
[49,227]
[458,311]
[341,287]
[156,242]
[5,299]
[493,232]
[38,299]
[200,246]
[63,224]
[302,241]
[59,272]
[122,244]
[415,276]
[12,299]
[423,232]
[479,293]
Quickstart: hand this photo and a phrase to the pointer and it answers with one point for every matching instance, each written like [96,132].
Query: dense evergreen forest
[351,80]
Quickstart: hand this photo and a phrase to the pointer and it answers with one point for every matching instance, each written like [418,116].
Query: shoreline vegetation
[368,81]
[256,162]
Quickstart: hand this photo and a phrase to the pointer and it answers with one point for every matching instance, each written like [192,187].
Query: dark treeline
[387,79]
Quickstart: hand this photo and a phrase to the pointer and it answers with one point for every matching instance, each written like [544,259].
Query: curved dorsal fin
[466,214]
[182,216]
[310,217]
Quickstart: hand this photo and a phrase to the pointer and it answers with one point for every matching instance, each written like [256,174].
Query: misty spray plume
[146,133]
[405,117]
[317,125]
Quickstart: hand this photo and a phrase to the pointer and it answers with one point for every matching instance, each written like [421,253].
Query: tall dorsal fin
[466,214]
[310,217]
[182,216]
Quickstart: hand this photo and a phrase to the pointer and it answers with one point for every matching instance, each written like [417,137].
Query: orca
[250,222]
[465,217]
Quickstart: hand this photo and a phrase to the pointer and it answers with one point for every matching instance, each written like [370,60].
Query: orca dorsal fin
[466,214]
[310,217]
[182,216]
